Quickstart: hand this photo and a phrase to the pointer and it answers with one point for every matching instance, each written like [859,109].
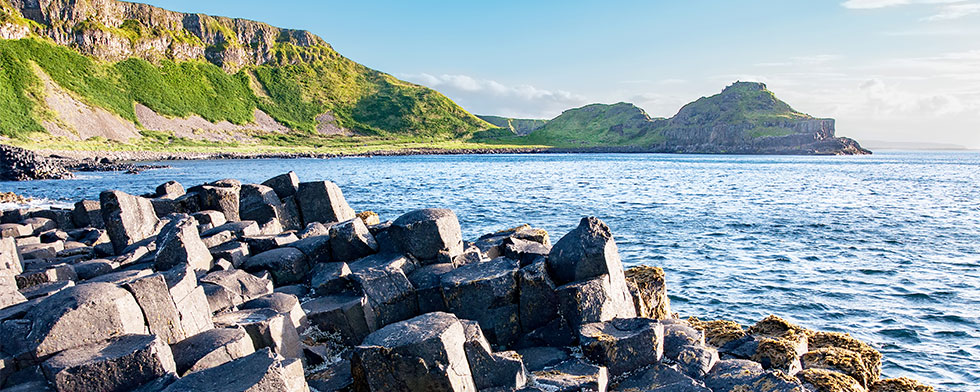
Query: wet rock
[659,378]
[648,287]
[349,315]
[286,265]
[351,240]
[491,370]
[64,320]
[487,293]
[623,345]
[260,371]
[331,278]
[586,252]
[128,219]
[180,243]
[426,233]
[573,376]
[284,185]
[282,303]
[118,364]
[211,348]
[323,202]
[208,220]
[159,309]
[391,295]
[821,380]
[423,353]
[220,198]
[427,281]
[88,213]
[538,300]
[267,327]
[595,300]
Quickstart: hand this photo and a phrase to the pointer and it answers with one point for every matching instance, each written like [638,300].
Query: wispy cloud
[954,11]
[816,59]
[874,4]
[484,96]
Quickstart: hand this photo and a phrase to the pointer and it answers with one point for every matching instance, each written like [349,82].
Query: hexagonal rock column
[282,303]
[83,314]
[349,315]
[623,345]
[118,364]
[487,293]
[259,203]
[659,377]
[211,348]
[180,243]
[351,240]
[261,371]
[587,252]
[421,354]
[286,265]
[267,327]
[504,370]
[128,219]
[429,235]
[599,299]
[389,292]
[222,197]
[573,375]
[153,296]
[322,201]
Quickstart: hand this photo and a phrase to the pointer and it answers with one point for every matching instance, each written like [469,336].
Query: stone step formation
[281,286]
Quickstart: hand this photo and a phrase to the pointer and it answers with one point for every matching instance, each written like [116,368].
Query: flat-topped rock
[623,345]
[427,233]
[282,303]
[211,348]
[286,265]
[486,292]
[350,316]
[118,364]
[572,376]
[260,371]
[267,327]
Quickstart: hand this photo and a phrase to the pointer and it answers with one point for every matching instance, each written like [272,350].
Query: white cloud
[875,4]
[483,96]
[954,11]
[816,59]
[885,99]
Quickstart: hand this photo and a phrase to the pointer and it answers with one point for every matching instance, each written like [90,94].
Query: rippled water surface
[885,247]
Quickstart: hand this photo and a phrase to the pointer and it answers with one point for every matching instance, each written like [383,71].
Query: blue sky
[898,70]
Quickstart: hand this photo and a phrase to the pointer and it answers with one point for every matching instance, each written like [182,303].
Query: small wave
[903,334]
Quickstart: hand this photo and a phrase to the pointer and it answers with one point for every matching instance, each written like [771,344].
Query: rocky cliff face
[114,30]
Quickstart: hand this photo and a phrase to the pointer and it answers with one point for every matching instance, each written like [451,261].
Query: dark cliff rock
[18,164]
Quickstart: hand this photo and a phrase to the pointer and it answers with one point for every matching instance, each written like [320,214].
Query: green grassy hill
[517,126]
[113,55]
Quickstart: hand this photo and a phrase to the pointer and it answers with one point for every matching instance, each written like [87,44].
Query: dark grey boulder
[316,248]
[727,375]
[525,251]
[258,372]
[240,229]
[696,360]
[189,203]
[263,243]
[585,253]
[595,300]
[491,370]
[180,243]
[391,295]
[159,309]
[428,286]
[128,219]
[538,297]
[163,207]
[331,278]
[314,229]
[289,214]
[209,219]
[538,358]
[284,185]
[299,290]
[211,348]
[322,201]
[351,240]
[64,320]
[680,334]
[573,376]
[487,293]
[170,189]
[425,233]
[234,252]
[333,378]
[117,364]
[282,303]
[423,353]
[659,378]
[286,265]
[623,345]
[88,213]
[242,285]
[557,333]
[267,327]
[259,203]
[350,316]
[220,198]
[92,268]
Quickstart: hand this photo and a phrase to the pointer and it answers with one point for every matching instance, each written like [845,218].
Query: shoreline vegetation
[228,286]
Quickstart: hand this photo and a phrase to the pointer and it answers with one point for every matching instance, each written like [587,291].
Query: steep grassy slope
[517,126]
[113,55]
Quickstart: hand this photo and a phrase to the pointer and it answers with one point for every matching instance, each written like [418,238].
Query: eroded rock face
[180,243]
[119,364]
[129,219]
[423,353]
[211,348]
[261,371]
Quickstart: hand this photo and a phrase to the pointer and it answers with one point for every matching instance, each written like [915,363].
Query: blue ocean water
[886,247]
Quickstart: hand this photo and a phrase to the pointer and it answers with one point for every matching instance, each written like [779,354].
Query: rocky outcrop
[18,164]
[419,310]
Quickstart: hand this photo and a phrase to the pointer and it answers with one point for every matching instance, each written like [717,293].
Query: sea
[885,247]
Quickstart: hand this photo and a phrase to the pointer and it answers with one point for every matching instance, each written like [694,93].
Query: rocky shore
[281,286]
[18,164]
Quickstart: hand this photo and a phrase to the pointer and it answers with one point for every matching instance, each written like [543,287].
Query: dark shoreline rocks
[18,164]
[150,302]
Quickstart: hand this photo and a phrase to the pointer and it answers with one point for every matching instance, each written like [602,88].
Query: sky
[888,70]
